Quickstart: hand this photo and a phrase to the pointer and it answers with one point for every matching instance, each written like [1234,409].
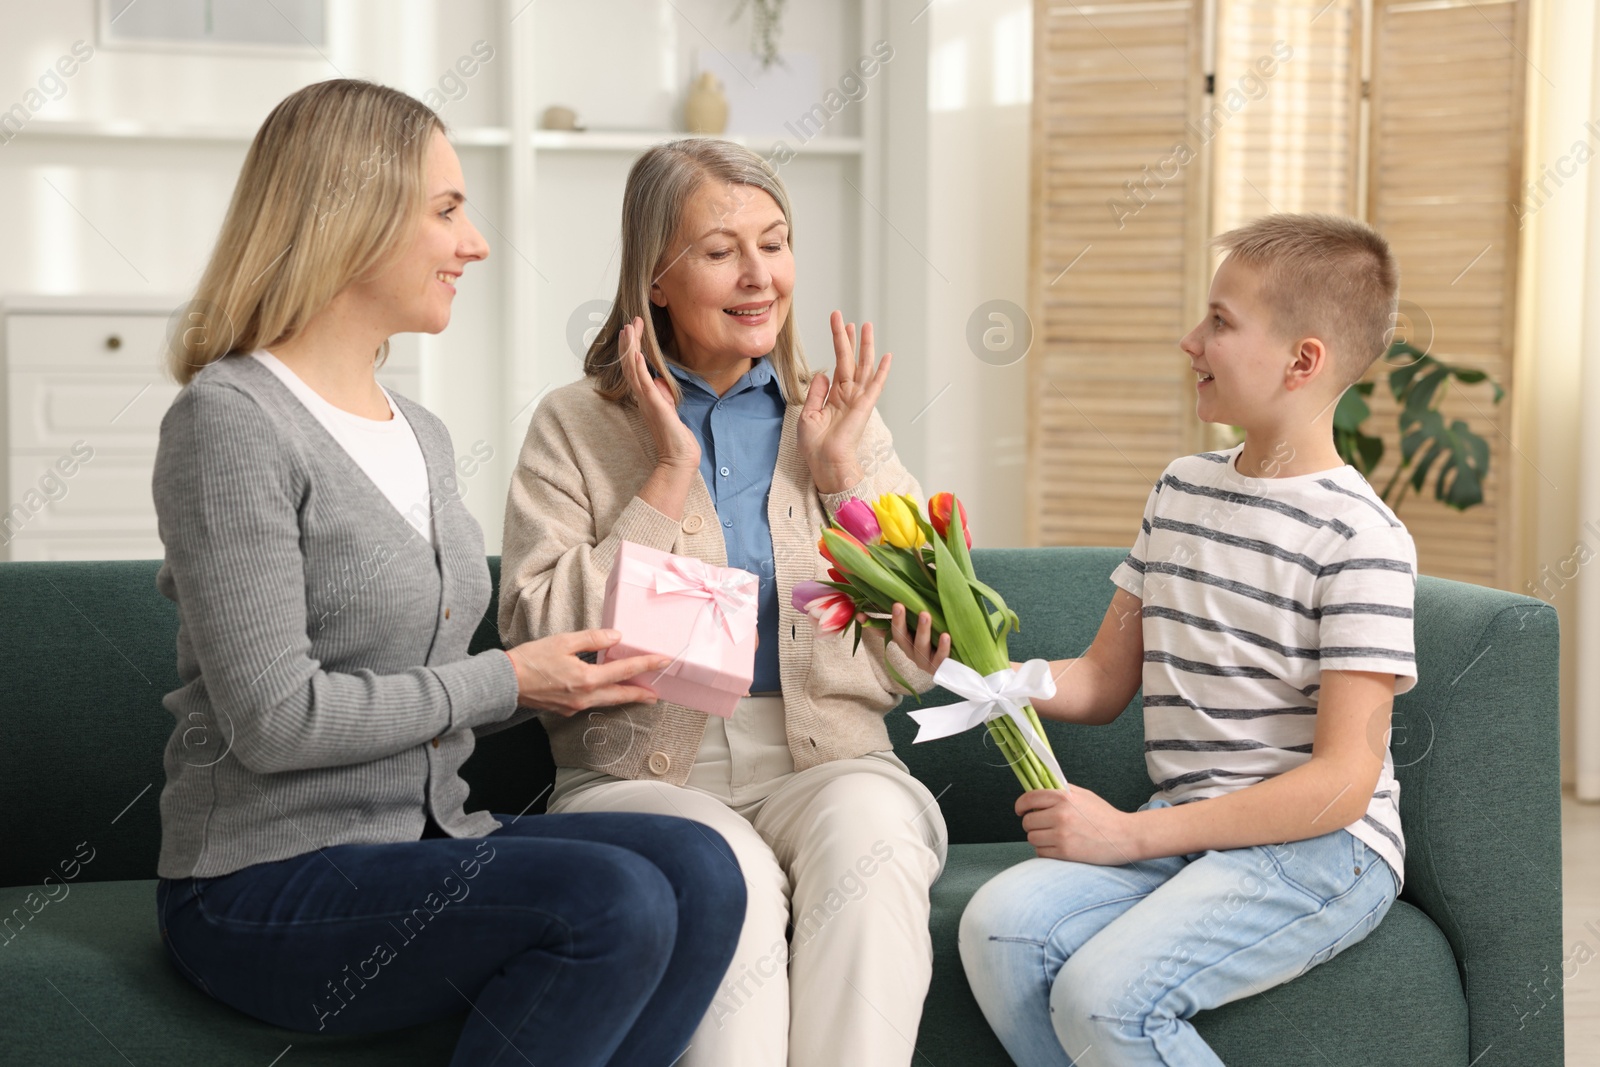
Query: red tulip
[939,514]
[847,536]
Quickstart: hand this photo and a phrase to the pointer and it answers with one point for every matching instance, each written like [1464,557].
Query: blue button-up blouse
[739,433]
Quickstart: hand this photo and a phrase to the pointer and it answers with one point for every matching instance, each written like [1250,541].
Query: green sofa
[1465,969]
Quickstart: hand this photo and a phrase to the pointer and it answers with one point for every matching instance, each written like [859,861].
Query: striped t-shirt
[1251,587]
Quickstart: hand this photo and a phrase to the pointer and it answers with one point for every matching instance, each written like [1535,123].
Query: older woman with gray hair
[698,429]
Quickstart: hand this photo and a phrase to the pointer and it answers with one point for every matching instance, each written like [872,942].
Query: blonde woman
[318,869]
[698,429]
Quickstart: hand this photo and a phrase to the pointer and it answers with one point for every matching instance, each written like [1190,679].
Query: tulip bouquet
[885,553]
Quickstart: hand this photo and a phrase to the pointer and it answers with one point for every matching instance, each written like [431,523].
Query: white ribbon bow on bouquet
[1002,694]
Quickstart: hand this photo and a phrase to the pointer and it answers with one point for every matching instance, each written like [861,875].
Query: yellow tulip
[898,521]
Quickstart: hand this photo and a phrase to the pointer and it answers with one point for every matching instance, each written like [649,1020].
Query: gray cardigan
[327,694]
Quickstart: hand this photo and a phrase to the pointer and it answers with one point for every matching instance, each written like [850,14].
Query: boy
[1266,608]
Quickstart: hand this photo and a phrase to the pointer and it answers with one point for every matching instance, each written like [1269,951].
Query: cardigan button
[435,742]
[692,524]
[660,763]
[447,613]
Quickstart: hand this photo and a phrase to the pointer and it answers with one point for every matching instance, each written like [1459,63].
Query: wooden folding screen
[1138,161]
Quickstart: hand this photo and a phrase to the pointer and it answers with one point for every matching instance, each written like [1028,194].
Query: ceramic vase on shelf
[706,109]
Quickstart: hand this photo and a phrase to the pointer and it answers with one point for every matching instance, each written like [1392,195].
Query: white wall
[958,149]
[1560,73]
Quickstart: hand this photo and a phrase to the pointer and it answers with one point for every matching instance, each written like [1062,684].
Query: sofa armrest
[1477,751]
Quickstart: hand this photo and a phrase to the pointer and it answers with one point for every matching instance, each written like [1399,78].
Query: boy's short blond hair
[1324,276]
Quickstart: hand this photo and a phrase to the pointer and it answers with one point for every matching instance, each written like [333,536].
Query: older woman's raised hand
[676,447]
[836,412]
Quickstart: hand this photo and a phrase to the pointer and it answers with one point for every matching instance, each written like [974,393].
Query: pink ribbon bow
[731,594]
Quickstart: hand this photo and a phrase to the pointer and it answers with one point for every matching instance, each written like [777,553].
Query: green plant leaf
[1436,448]
[1460,483]
[1419,397]
[1357,448]
[1473,376]
[1370,451]
[1453,456]
[1464,489]
[1400,378]
[1423,427]
[1480,447]
[1352,409]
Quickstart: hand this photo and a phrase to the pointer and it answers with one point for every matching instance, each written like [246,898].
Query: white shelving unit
[629,141]
[834,181]
[152,185]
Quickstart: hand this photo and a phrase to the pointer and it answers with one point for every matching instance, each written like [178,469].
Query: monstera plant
[1451,454]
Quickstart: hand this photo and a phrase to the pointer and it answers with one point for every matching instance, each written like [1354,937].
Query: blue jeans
[569,939]
[1075,964]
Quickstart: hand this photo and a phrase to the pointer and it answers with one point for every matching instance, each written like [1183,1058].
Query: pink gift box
[701,615]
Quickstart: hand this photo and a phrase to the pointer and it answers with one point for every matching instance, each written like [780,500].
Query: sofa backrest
[88,653]
[89,650]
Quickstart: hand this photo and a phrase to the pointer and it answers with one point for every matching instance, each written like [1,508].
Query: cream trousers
[834,960]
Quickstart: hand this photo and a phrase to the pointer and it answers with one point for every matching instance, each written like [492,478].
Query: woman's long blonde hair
[333,185]
[653,201]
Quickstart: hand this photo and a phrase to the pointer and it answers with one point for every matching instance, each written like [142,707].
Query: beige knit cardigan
[573,500]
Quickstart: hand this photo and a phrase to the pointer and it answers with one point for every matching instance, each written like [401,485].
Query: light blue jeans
[1076,965]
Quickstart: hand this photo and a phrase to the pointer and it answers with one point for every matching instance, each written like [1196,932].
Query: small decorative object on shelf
[766,27]
[706,109]
[557,117]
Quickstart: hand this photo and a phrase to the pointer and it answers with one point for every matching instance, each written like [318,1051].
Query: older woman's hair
[332,186]
[659,188]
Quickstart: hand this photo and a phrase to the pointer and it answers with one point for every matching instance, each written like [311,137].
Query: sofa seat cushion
[88,982]
[1395,999]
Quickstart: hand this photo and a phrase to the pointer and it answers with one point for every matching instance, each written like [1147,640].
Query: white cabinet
[84,394]
[83,387]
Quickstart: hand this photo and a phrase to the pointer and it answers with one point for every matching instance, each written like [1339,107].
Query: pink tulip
[859,520]
[830,609]
[805,592]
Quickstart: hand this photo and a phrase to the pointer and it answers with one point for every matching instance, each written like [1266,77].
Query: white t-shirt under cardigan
[386,450]
[1251,588]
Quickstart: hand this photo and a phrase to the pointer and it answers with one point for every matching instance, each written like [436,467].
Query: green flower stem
[1038,727]
[1016,753]
[1003,743]
[1036,769]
